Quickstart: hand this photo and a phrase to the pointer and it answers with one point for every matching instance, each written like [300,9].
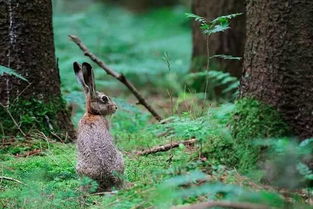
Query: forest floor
[42,173]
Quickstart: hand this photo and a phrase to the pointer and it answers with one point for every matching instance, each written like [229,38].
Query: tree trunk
[278,65]
[26,45]
[230,42]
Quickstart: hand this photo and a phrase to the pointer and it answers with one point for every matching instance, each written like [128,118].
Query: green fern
[225,18]
[219,24]
[197,18]
[216,79]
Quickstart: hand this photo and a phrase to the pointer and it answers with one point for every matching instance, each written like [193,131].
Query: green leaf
[305,171]
[9,71]
[196,18]
[216,29]
[222,19]
[231,87]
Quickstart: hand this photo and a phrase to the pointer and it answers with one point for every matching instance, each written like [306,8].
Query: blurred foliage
[288,163]
[129,43]
[140,5]
[185,188]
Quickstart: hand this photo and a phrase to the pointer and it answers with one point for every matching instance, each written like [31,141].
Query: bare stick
[166,147]
[30,153]
[10,179]
[222,204]
[118,76]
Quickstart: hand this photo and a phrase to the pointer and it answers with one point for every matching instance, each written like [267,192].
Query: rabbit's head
[97,103]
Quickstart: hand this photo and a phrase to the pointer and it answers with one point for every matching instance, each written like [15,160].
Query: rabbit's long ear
[79,75]
[89,78]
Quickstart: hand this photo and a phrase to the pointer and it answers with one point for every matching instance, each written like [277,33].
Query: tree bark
[278,65]
[27,46]
[230,42]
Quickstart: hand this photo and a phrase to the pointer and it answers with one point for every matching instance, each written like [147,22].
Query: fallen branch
[118,76]
[165,147]
[104,193]
[30,153]
[222,204]
[10,179]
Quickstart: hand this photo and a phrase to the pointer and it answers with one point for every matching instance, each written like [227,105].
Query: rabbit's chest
[93,139]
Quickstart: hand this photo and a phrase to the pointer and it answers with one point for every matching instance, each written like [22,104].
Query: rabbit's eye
[105,99]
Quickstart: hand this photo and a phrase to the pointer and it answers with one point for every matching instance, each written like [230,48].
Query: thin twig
[12,118]
[165,133]
[56,136]
[17,97]
[103,193]
[119,76]
[165,147]
[30,153]
[236,205]
[11,179]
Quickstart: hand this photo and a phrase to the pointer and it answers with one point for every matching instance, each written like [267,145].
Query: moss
[253,119]
[31,115]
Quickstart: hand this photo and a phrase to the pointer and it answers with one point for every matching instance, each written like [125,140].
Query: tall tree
[27,46]
[230,42]
[278,65]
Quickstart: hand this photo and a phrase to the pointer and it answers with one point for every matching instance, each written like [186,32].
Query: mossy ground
[252,121]
[32,115]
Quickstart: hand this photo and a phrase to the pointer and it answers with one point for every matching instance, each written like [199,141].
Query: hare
[98,158]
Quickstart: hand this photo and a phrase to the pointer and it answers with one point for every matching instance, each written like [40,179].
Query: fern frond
[196,18]
[9,71]
[222,19]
